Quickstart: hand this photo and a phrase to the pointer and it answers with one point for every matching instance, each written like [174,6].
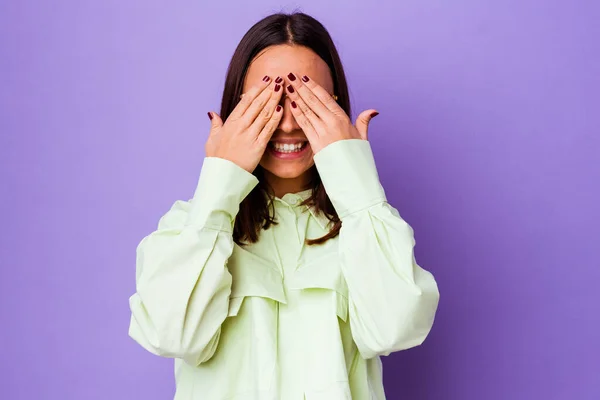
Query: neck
[282,186]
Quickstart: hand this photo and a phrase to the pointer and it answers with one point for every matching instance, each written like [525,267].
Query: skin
[288,176]
[307,114]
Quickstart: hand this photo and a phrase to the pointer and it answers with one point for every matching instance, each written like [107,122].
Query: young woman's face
[285,169]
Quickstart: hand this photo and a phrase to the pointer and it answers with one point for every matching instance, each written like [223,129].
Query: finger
[310,98]
[258,104]
[267,131]
[304,110]
[267,111]
[307,127]
[249,97]
[323,95]
[362,122]
[215,122]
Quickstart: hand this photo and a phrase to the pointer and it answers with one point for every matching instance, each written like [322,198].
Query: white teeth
[288,148]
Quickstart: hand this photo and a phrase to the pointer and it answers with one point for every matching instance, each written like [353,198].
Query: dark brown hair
[276,29]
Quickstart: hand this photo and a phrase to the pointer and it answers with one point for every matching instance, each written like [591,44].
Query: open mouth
[288,148]
[288,151]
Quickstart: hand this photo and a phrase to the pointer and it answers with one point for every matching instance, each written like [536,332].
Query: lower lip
[289,156]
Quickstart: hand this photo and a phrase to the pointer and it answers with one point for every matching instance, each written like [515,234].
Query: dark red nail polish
[278,108]
[294,105]
[374,114]
[291,77]
[305,78]
[277,87]
[210,116]
[290,89]
[266,78]
[278,80]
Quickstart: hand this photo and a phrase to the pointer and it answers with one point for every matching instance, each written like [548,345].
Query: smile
[288,151]
[288,147]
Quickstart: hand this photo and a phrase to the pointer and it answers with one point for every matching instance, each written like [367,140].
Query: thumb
[362,122]
[215,121]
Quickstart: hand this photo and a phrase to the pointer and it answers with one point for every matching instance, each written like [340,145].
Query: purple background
[487,143]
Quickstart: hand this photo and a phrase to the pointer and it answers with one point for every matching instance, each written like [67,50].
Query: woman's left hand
[319,115]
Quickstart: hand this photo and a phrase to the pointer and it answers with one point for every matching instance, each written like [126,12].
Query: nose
[287,123]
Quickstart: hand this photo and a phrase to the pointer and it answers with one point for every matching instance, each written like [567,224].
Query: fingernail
[210,116]
[305,78]
[294,105]
[374,114]
[277,87]
[278,80]
[266,78]
[290,88]
[278,108]
[291,77]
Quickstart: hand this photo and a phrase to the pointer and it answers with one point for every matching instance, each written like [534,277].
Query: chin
[286,169]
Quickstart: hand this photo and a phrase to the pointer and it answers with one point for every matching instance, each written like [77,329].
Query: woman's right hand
[244,136]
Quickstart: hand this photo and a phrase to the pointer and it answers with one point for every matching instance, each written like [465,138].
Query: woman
[287,274]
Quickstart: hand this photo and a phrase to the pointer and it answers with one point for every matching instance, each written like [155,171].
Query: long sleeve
[392,300]
[182,282]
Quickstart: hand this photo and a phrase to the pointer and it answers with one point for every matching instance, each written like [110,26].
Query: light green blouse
[280,320]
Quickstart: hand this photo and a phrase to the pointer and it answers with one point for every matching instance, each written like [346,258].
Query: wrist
[349,175]
[221,187]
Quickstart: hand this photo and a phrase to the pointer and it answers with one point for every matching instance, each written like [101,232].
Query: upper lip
[289,140]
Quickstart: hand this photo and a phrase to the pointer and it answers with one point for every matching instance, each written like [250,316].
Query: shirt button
[293,201]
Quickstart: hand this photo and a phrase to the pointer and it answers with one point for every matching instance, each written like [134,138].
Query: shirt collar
[321,219]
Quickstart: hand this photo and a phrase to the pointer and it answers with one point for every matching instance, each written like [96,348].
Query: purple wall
[488,144]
